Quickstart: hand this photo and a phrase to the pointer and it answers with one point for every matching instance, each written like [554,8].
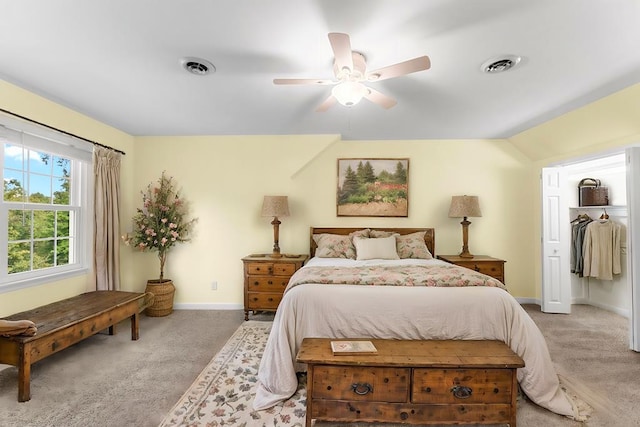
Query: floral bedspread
[447,275]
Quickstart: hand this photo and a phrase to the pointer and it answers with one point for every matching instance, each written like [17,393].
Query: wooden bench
[67,322]
[412,382]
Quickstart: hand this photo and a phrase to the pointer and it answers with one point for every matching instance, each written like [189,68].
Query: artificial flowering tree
[159,225]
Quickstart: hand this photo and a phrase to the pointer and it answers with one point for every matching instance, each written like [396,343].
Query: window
[45,217]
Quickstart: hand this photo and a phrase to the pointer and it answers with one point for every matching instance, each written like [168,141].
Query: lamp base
[465,239]
[276,237]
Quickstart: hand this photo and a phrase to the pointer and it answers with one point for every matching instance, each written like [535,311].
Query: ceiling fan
[350,69]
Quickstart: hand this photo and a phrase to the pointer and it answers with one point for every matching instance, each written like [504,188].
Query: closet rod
[62,131]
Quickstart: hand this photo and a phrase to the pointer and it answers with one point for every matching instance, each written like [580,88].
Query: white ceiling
[118,61]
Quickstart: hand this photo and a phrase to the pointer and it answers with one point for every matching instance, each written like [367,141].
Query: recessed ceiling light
[197,66]
[501,64]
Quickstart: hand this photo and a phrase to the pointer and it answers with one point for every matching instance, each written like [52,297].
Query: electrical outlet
[214,285]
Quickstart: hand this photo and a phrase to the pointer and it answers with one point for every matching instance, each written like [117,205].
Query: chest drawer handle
[476,268]
[361,388]
[461,392]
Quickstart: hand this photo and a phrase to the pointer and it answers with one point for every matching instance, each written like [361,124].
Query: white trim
[535,301]
[41,280]
[208,306]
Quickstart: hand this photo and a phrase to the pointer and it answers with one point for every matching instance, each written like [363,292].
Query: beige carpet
[113,381]
[223,393]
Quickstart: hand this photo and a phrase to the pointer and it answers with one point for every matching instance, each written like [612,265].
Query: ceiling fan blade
[341,45]
[378,98]
[328,103]
[400,69]
[302,82]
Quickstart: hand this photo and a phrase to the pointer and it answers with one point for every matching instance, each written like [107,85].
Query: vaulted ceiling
[119,61]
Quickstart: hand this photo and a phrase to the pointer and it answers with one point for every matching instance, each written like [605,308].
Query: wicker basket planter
[163,292]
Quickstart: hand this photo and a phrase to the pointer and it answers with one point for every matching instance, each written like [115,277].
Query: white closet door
[556,240]
[633,242]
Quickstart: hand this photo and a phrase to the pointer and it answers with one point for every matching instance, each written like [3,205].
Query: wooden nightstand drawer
[484,264]
[490,268]
[281,269]
[267,283]
[361,384]
[466,386]
[264,300]
[259,268]
[284,269]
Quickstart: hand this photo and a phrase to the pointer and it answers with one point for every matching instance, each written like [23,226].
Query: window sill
[37,281]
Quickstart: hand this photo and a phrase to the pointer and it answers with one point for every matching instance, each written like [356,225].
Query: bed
[352,287]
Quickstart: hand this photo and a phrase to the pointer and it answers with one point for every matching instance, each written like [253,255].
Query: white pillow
[380,248]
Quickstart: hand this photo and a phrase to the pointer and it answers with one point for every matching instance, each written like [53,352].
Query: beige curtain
[106,246]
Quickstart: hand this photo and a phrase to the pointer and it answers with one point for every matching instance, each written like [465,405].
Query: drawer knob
[476,268]
[361,388]
[461,392]
[427,389]
[404,416]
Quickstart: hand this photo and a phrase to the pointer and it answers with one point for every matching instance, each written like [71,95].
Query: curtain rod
[62,131]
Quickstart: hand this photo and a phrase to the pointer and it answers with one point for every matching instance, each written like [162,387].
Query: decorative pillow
[408,245]
[337,245]
[380,248]
[378,233]
[413,246]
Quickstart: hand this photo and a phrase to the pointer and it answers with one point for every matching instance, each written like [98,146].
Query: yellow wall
[225,178]
[37,108]
[607,125]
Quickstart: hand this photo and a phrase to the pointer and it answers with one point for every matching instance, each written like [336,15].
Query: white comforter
[348,311]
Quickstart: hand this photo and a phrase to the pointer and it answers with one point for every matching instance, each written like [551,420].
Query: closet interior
[599,271]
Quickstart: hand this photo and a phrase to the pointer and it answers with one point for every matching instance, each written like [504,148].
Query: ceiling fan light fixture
[349,93]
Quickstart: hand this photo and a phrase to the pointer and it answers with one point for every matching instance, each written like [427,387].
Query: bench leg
[24,374]
[135,331]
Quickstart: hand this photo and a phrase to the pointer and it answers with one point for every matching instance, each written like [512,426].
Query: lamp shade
[464,206]
[275,206]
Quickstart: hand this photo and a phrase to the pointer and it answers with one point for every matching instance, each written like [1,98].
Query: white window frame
[42,139]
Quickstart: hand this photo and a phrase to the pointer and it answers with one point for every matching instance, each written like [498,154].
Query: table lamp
[275,206]
[463,207]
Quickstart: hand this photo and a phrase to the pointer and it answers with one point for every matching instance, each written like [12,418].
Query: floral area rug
[223,393]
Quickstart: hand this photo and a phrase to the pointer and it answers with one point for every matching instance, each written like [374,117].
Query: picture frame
[373,187]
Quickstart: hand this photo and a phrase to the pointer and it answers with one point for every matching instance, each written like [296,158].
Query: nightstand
[265,279]
[484,264]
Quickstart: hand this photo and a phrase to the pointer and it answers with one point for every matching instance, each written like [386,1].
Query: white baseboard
[208,306]
[528,301]
[624,312]
[233,306]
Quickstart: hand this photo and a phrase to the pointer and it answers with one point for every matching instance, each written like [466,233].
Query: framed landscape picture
[373,187]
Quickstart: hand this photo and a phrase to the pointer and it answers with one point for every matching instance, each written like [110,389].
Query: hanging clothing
[601,249]
[577,239]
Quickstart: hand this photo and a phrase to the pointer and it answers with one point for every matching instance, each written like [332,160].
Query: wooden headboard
[429,236]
